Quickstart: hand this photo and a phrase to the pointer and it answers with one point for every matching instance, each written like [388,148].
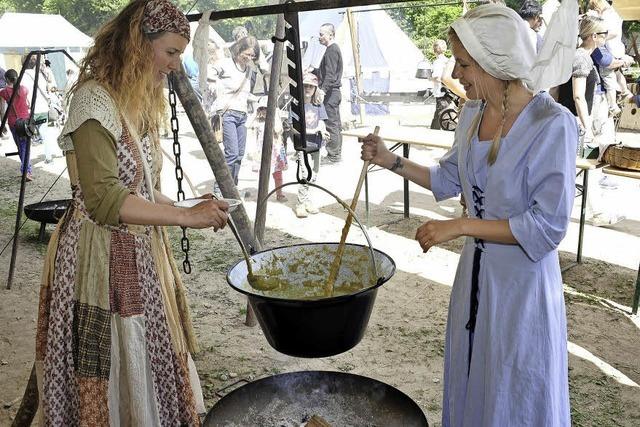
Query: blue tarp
[375,84]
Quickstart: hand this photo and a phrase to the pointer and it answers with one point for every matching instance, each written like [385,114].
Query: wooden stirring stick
[335,265]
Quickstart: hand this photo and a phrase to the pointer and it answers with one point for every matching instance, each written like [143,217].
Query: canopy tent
[388,57]
[385,50]
[629,10]
[23,32]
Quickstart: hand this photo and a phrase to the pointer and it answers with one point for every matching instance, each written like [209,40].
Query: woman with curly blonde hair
[114,337]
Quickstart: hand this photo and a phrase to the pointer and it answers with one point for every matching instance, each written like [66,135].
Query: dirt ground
[404,342]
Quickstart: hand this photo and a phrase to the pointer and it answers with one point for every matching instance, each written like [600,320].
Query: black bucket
[320,326]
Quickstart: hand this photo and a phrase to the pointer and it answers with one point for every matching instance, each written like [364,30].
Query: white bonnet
[496,38]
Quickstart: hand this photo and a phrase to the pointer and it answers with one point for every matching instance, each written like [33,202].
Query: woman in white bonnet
[514,161]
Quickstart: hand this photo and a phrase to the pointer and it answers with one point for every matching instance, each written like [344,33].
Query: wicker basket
[622,157]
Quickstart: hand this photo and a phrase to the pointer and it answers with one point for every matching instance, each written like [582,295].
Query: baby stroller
[449,116]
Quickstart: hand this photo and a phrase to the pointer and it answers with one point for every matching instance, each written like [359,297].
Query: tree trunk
[215,157]
[29,404]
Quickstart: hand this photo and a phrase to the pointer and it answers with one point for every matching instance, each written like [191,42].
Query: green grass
[596,401]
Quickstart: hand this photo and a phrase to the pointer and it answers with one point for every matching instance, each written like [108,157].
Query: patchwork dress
[505,361]
[114,335]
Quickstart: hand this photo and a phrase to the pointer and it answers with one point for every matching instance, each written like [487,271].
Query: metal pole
[267,143]
[405,154]
[14,249]
[636,295]
[583,211]
[28,58]
[27,153]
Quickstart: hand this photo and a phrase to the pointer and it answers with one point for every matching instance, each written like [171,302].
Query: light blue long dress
[516,372]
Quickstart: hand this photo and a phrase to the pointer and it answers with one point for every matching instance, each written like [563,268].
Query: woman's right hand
[210,213]
[374,150]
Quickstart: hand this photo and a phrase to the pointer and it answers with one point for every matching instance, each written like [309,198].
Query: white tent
[23,32]
[386,52]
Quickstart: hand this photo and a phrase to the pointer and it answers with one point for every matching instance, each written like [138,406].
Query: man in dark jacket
[330,74]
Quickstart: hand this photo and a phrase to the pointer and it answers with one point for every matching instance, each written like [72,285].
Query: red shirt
[19,104]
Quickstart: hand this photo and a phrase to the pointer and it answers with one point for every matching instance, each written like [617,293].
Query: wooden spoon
[335,265]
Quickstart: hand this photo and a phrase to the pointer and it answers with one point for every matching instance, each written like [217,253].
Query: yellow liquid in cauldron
[310,274]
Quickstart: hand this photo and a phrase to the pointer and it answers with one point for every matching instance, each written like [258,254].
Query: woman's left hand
[433,232]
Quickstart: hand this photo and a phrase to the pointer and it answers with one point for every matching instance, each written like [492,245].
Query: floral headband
[162,15]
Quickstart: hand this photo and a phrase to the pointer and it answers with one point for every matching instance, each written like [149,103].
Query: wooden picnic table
[583,166]
[612,170]
[433,138]
[404,136]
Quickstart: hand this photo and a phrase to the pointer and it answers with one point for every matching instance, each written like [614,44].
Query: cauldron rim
[364,379]
[45,211]
[319,301]
[39,205]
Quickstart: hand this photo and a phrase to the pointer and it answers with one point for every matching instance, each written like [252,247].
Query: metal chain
[184,242]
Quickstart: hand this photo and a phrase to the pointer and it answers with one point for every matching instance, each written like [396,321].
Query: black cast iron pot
[341,399]
[48,212]
[318,327]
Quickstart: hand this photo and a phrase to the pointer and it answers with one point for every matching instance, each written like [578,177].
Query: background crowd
[235,77]
[595,93]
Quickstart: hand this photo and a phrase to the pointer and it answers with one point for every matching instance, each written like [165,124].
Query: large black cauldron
[339,398]
[318,327]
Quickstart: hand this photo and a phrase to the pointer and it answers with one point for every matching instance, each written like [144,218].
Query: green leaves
[262,27]
[426,22]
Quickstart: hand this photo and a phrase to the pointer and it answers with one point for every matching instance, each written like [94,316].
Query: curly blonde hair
[121,61]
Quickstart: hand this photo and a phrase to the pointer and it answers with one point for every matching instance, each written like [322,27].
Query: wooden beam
[29,403]
[304,6]
[355,49]
[267,143]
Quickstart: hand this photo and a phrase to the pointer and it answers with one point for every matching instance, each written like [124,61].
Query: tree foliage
[423,22]
[89,15]
[262,27]
[426,22]
[86,15]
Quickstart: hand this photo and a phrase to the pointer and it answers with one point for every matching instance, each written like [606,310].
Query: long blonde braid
[495,144]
